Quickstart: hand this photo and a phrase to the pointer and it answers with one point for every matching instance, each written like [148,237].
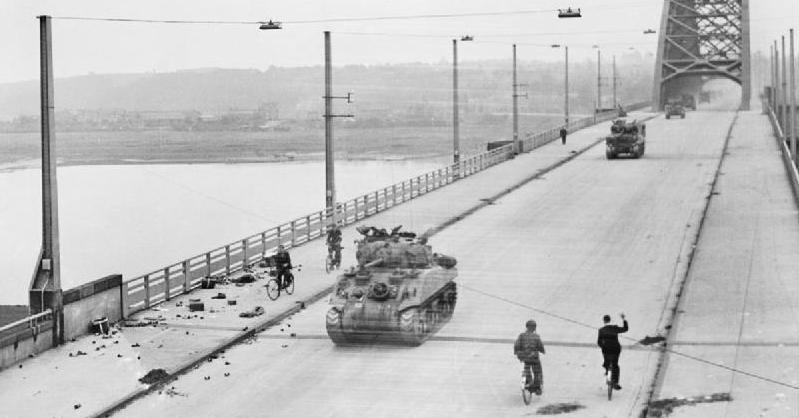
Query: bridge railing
[147,290]
[788,159]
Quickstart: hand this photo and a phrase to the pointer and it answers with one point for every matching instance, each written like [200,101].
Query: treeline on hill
[383,95]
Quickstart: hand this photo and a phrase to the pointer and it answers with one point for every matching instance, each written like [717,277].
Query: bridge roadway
[590,237]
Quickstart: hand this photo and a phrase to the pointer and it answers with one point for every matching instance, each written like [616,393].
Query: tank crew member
[526,349]
[608,341]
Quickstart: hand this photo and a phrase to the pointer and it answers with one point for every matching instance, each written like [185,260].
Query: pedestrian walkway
[739,314]
[87,376]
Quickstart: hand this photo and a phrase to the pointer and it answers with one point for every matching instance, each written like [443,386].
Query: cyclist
[608,341]
[334,244]
[283,265]
[526,349]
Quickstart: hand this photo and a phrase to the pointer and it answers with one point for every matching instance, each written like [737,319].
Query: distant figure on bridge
[334,244]
[608,341]
[563,133]
[526,349]
[282,263]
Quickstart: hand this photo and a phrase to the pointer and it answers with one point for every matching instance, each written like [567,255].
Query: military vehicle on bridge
[688,101]
[400,292]
[626,138]
[674,108]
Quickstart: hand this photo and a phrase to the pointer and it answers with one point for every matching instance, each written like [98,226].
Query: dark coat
[283,260]
[608,338]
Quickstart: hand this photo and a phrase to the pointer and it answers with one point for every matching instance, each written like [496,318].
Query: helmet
[530,324]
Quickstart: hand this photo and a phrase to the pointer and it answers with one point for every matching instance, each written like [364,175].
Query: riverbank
[21,150]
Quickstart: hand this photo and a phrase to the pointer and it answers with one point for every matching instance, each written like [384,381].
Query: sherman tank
[626,137]
[400,291]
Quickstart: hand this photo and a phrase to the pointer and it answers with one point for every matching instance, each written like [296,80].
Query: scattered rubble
[663,407]
[154,376]
[652,340]
[258,311]
[559,408]
[172,392]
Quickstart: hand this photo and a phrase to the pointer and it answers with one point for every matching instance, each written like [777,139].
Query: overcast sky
[82,47]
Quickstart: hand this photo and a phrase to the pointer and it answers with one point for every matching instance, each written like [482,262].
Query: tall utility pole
[614,81]
[456,151]
[792,109]
[777,110]
[598,80]
[784,89]
[566,86]
[516,146]
[45,290]
[771,68]
[330,184]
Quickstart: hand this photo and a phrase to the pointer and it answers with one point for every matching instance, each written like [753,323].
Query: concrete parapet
[97,299]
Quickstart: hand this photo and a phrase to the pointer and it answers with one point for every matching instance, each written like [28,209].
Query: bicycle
[527,386]
[273,289]
[330,260]
[609,382]
[527,394]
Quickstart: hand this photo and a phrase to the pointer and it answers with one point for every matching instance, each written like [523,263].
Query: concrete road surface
[747,266]
[591,237]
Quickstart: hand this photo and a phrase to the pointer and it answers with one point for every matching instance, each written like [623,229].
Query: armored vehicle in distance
[675,108]
[400,292]
[626,138]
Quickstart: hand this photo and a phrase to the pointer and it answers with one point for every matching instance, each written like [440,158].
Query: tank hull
[360,321]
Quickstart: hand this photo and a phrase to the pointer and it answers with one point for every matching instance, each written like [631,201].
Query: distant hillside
[378,90]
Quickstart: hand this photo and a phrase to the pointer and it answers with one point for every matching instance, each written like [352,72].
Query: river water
[132,219]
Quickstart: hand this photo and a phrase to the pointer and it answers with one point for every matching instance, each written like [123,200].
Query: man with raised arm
[608,341]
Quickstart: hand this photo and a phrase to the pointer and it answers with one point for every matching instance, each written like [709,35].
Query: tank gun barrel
[374,263]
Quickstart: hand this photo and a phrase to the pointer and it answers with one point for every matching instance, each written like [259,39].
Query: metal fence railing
[150,289]
[29,322]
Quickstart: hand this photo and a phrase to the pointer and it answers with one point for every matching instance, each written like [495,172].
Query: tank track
[419,323]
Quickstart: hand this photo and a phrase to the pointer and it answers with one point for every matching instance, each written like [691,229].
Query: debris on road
[154,376]
[196,305]
[652,340]
[244,278]
[663,407]
[559,408]
[144,322]
[258,311]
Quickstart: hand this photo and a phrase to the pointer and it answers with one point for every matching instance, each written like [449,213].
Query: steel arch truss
[703,38]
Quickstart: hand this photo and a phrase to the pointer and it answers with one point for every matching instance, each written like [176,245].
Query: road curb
[673,302]
[265,324]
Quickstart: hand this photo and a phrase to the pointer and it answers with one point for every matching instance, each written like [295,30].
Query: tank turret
[400,290]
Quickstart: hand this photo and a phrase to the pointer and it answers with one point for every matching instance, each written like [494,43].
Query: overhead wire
[667,349]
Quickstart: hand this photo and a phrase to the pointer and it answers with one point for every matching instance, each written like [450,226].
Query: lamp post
[456,153]
[792,109]
[456,157]
[598,79]
[565,84]
[516,146]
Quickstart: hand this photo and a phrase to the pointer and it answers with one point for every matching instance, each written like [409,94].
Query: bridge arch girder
[699,39]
